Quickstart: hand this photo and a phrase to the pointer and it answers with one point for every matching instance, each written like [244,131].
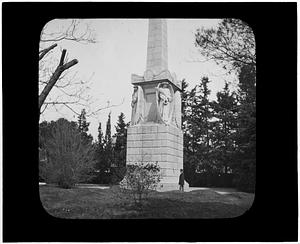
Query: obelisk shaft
[157,50]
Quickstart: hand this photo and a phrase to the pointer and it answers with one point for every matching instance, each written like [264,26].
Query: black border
[274,215]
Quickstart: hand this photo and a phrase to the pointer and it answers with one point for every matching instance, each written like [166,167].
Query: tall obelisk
[157,50]
[155,133]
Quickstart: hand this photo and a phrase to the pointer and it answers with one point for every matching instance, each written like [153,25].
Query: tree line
[63,143]
[220,136]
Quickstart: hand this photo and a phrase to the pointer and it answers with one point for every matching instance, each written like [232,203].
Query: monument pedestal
[151,143]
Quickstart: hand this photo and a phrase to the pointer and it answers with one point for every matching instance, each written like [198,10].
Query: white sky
[121,51]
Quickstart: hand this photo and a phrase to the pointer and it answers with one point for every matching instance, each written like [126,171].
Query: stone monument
[155,133]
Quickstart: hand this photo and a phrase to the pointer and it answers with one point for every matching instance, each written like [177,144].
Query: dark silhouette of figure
[181,181]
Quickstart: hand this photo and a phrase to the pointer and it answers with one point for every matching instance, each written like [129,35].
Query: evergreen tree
[108,157]
[197,130]
[83,127]
[231,44]
[68,161]
[108,139]
[100,136]
[100,159]
[225,114]
[246,131]
[120,149]
[121,137]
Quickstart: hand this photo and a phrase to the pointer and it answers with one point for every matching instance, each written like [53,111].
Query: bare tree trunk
[55,76]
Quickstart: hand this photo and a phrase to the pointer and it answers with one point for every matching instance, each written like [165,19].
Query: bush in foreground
[140,179]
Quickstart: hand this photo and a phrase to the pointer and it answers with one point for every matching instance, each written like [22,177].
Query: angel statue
[137,105]
[165,94]
[177,112]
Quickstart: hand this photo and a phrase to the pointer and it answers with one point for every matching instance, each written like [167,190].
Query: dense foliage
[69,159]
[220,136]
[108,153]
[231,44]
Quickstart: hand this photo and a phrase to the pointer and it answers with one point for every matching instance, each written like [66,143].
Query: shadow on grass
[110,204]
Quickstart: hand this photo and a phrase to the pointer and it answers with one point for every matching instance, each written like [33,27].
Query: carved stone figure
[165,95]
[137,105]
[177,104]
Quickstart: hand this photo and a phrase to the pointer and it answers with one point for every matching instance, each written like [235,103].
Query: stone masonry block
[146,151]
[168,180]
[130,137]
[170,158]
[139,129]
[164,157]
[137,143]
[149,136]
[134,158]
[165,165]
[148,143]
[130,144]
[156,158]
[135,129]
[147,158]
[163,143]
[146,129]
[162,128]
[129,130]
[170,172]
[157,151]
[156,143]
[154,129]
[134,151]
[170,137]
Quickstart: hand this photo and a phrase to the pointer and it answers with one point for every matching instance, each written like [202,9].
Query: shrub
[69,160]
[140,179]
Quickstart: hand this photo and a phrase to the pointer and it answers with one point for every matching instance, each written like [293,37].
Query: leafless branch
[69,107]
[45,51]
[108,106]
[71,33]
[55,76]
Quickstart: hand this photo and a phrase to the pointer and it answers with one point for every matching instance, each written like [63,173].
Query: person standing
[181,180]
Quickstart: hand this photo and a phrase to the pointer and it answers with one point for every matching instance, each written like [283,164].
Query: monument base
[157,143]
[171,187]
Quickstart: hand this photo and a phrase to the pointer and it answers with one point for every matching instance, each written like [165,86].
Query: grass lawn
[89,203]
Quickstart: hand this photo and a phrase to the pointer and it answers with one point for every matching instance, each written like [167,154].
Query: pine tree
[197,130]
[246,130]
[225,114]
[201,115]
[231,44]
[69,161]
